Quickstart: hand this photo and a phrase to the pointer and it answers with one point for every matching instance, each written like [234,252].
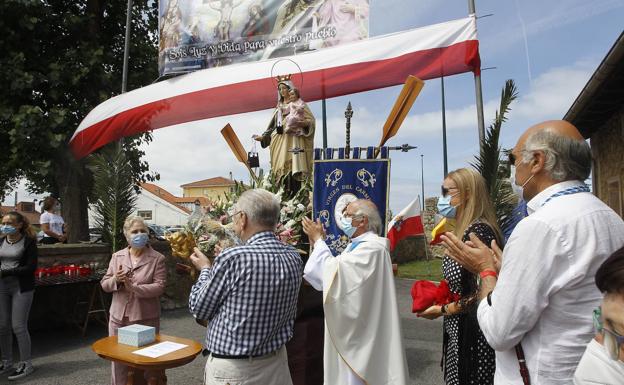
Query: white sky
[550,59]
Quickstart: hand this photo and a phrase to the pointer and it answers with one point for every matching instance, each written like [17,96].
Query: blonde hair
[131,220]
[476,204]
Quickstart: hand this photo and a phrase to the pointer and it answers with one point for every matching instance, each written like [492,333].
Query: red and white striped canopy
[442,49]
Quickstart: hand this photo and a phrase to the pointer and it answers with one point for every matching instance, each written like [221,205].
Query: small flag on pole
[439,230]
[407,223]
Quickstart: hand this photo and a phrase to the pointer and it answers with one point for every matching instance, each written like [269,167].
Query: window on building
[206,192]
[28,207]
[614,195]
[145,214]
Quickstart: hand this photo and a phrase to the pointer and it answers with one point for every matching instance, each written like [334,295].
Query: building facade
[213,188]
[598,112]
[157,206]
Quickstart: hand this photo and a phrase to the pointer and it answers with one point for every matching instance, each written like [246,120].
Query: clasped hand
[314,230]
[473,255]
[121,276]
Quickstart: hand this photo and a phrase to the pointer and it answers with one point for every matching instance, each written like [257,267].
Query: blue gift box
[136,335]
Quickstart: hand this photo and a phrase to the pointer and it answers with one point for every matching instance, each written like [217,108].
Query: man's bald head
[567,155]
[558,127]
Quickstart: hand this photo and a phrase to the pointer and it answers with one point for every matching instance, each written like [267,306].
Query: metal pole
[324,104]
[348,115]
[478,90]
[444,149]
[124,73]
[422,180]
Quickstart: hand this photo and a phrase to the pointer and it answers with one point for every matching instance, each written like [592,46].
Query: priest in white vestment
[363,339]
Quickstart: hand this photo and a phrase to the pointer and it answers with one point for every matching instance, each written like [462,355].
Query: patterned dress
[468,359]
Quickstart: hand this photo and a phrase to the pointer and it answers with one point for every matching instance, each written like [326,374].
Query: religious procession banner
[198,34]
[337,182]
[437,50]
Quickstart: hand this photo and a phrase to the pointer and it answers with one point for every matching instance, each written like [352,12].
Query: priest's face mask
[353,224]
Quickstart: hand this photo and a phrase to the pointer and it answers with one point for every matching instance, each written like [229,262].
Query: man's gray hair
[369,209]
[566,158]
[260,206]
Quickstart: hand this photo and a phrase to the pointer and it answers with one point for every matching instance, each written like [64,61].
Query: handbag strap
[524,370]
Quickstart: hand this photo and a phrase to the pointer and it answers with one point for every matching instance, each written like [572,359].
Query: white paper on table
[160,349]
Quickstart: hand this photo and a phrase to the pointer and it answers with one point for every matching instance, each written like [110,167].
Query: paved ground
[65,358]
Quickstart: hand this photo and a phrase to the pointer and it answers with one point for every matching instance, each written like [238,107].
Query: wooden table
[109,349]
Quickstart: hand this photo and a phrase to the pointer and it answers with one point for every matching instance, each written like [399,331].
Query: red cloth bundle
[426,294]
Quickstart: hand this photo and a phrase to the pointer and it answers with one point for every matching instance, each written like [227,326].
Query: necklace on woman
[10,242]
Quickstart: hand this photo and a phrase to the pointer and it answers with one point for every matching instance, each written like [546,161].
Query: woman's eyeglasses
[612,341]
[445,190]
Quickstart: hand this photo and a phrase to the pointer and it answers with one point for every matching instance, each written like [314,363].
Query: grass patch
[430,270]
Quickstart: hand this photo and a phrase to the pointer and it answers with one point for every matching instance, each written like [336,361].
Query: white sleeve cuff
[313,270]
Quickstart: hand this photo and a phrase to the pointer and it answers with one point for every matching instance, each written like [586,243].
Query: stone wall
[78,254]
[608,153]
[178,285]
[55,306]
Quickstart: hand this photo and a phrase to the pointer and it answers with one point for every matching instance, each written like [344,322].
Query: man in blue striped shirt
[249,297]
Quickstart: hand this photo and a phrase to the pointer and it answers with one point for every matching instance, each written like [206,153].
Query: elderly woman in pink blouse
[136,276]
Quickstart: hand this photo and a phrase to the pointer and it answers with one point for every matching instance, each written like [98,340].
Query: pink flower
[285,235]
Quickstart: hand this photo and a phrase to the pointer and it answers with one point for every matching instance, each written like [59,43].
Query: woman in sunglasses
[602,362]
[468,359]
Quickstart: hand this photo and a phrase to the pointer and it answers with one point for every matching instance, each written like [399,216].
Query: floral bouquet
[294,206]
[207,230]
[203,232]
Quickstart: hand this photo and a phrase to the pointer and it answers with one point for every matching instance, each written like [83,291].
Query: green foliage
[61,58]
[490,164]
[113,191]
[424,269]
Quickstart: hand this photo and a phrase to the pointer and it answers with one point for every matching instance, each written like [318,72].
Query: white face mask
[518,190]
[596,367]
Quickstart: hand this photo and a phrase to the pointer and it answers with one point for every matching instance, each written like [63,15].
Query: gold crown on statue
[283,78]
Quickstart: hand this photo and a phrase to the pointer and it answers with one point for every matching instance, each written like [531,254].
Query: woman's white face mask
[596,367]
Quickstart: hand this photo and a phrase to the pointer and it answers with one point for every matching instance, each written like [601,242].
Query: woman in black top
[467,357]
[18,261]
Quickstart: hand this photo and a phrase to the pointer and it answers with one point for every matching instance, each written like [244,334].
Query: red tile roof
[203,201]
[32,216]
[163,194]
[210,182]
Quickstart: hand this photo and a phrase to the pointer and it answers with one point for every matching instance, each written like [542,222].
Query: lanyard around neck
[568,191]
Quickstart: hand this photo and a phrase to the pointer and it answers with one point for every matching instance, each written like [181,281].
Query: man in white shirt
[363,342]
[543,296]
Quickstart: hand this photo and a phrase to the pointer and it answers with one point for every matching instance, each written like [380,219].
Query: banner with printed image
[198,34]
[339,182]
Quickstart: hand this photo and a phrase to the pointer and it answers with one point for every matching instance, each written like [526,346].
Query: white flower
[300,207]
[290,224]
